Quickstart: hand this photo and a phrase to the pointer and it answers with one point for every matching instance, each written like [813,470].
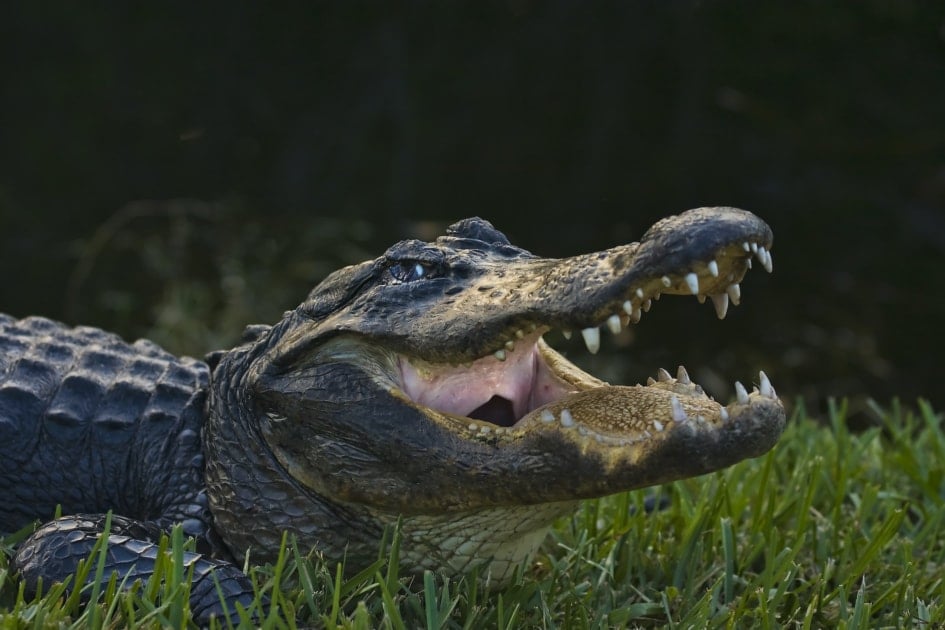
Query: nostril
[497,410]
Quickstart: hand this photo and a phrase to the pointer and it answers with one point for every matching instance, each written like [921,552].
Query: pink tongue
[478,388]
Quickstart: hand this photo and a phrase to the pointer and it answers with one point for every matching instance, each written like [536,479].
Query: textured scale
[91,423]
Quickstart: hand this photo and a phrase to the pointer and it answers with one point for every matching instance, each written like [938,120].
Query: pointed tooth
[713,268]
[657,425]
[679,414]
[650,380]
[628,307]
[510,345]
[683,376]
[656,296]
[664,376]
[748,262]
[613,324]
[746,246]
[701,298]
[566,334]
[723,414]
[547,416]
[499,354]
[591,339]
[666,281]
[639,293]
[765,385]
[734,293]
[692,281]
[720,302]
[741,395]
[567,420]
[754,247]
[765,259]
[645,307]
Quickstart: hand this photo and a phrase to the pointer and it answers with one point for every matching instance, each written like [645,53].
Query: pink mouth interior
[499,392]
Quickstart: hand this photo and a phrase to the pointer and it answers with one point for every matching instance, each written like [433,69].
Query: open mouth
[524,382]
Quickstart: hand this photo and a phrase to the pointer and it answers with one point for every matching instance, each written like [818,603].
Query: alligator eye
[411,271]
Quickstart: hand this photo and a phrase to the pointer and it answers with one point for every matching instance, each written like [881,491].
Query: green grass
[831,529]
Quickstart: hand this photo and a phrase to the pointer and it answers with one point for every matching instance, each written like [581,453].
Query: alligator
[416,388]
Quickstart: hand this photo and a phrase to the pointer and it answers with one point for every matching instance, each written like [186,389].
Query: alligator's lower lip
[533,386]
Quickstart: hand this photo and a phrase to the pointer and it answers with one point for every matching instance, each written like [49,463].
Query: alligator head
[419,386]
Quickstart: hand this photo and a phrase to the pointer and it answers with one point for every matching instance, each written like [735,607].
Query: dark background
[179,173]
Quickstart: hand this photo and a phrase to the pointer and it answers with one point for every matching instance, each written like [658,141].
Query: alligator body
[416,386]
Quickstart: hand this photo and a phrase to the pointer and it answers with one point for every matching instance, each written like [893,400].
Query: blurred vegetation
[178,174]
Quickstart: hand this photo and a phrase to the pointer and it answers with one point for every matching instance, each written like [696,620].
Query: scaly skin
[418,386]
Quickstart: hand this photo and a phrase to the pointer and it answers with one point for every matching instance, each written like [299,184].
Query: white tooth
[547,416]
[762,256]
[720,302]
[692,281]
[746,246]
[748,262]
[650,380]
[646,306]
[484,430]
[639,293]
[510,345]
[637,314]
[754,247]
[679,414]
[768,262]
[664,376]
[613,323]
[683,376]
[567,420]
[628,307]
[713,268]
[500,355]
[766,389]
[473,427]
[734,293]
[657,425]
[591,339]
[701,298]
[566,334]
[723,413]
[666,281]
[741,395]
[520,333]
